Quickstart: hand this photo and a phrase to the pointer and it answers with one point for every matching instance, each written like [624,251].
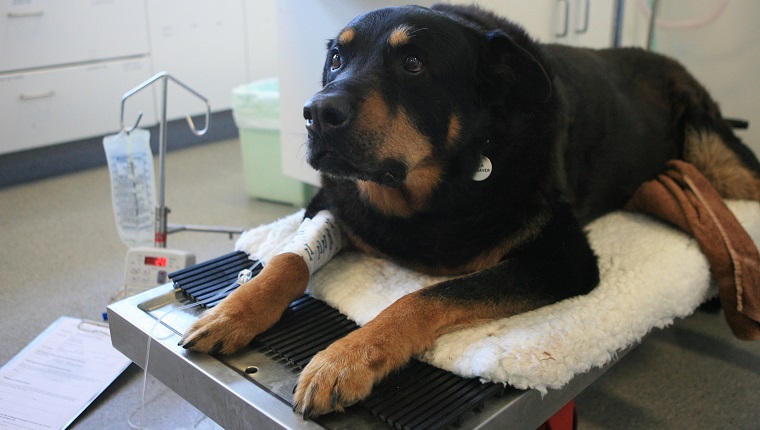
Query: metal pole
[618,24]
[162,210]
[652,24]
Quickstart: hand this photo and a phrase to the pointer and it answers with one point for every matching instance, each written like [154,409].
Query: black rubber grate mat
[419,396]
[205,281]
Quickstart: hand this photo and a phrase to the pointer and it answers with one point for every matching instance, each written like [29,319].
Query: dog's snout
[326,113]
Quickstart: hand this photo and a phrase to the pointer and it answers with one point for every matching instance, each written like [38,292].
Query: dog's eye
[412,64]
[335,61]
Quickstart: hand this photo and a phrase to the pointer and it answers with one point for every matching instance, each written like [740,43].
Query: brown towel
[684,197]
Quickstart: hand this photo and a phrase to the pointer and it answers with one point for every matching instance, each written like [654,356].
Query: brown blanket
[684,197]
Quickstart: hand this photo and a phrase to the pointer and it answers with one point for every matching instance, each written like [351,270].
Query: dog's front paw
[344,373]
[252,308]
[335,378]
[222,329]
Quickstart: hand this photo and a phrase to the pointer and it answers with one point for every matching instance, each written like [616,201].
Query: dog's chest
[434,245]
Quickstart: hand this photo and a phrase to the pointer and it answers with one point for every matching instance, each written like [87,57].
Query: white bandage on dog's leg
[317,240]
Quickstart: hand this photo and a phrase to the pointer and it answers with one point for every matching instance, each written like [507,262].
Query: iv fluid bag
[133,186]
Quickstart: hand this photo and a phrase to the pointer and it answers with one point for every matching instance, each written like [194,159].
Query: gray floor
[60,255]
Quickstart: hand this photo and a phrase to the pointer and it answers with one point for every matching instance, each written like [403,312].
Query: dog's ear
[513,68]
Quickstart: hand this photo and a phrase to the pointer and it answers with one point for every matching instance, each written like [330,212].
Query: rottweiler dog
[451,142]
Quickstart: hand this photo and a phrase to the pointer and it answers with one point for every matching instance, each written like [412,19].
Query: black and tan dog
[414,100]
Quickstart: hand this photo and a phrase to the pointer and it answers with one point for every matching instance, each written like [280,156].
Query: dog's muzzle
[327,113]
[336,148]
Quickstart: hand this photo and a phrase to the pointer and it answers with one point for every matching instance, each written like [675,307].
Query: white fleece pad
[651,273]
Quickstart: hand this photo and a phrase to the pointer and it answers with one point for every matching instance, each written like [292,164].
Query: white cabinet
[64,65]
[573,22]
[63,104]
[45,33]
[587,23]
[538,17]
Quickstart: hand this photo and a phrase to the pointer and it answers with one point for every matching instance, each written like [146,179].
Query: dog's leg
[557,265]
[719,160]
[258,304]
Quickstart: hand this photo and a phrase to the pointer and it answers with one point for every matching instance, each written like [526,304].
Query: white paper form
[51,381]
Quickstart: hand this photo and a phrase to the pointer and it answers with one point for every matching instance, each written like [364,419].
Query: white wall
[261,38]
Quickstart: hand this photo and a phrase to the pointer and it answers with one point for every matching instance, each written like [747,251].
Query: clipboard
[58,375]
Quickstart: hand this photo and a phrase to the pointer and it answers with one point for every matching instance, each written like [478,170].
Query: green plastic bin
[256,111]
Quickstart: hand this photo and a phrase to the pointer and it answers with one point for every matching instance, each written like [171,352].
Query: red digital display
[156,261]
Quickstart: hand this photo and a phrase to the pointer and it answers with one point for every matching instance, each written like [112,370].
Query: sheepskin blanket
[651,273]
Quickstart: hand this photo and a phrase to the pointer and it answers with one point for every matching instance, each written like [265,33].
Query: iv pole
[161,210]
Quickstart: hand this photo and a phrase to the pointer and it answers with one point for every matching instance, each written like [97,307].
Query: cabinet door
[202,44]
[70,103]
[536,16]
[572,22]
[588,23]
[42,33]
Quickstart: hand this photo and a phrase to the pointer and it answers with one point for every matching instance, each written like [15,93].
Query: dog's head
[408,88]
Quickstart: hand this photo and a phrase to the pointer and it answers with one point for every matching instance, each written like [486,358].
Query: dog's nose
[327,112]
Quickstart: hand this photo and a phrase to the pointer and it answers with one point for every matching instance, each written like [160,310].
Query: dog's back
[622,114]
[628,111]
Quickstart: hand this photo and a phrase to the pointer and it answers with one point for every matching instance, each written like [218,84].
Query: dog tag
[484,170]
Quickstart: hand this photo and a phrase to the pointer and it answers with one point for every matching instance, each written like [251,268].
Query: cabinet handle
[584,29]
[37,95]
[26,14]
[563,33]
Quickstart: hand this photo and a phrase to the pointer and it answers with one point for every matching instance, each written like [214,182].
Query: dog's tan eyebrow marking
[455,129]
[400,36]
[346,36]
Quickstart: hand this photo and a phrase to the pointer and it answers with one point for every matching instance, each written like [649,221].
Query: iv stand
[161,210]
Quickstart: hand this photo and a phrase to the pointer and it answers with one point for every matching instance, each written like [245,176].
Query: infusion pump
[148,267]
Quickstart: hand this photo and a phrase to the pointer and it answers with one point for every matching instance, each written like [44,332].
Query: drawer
[40,33]
[59,105]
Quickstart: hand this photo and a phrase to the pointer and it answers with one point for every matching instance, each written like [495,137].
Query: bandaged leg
[258,303]
[317,240]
